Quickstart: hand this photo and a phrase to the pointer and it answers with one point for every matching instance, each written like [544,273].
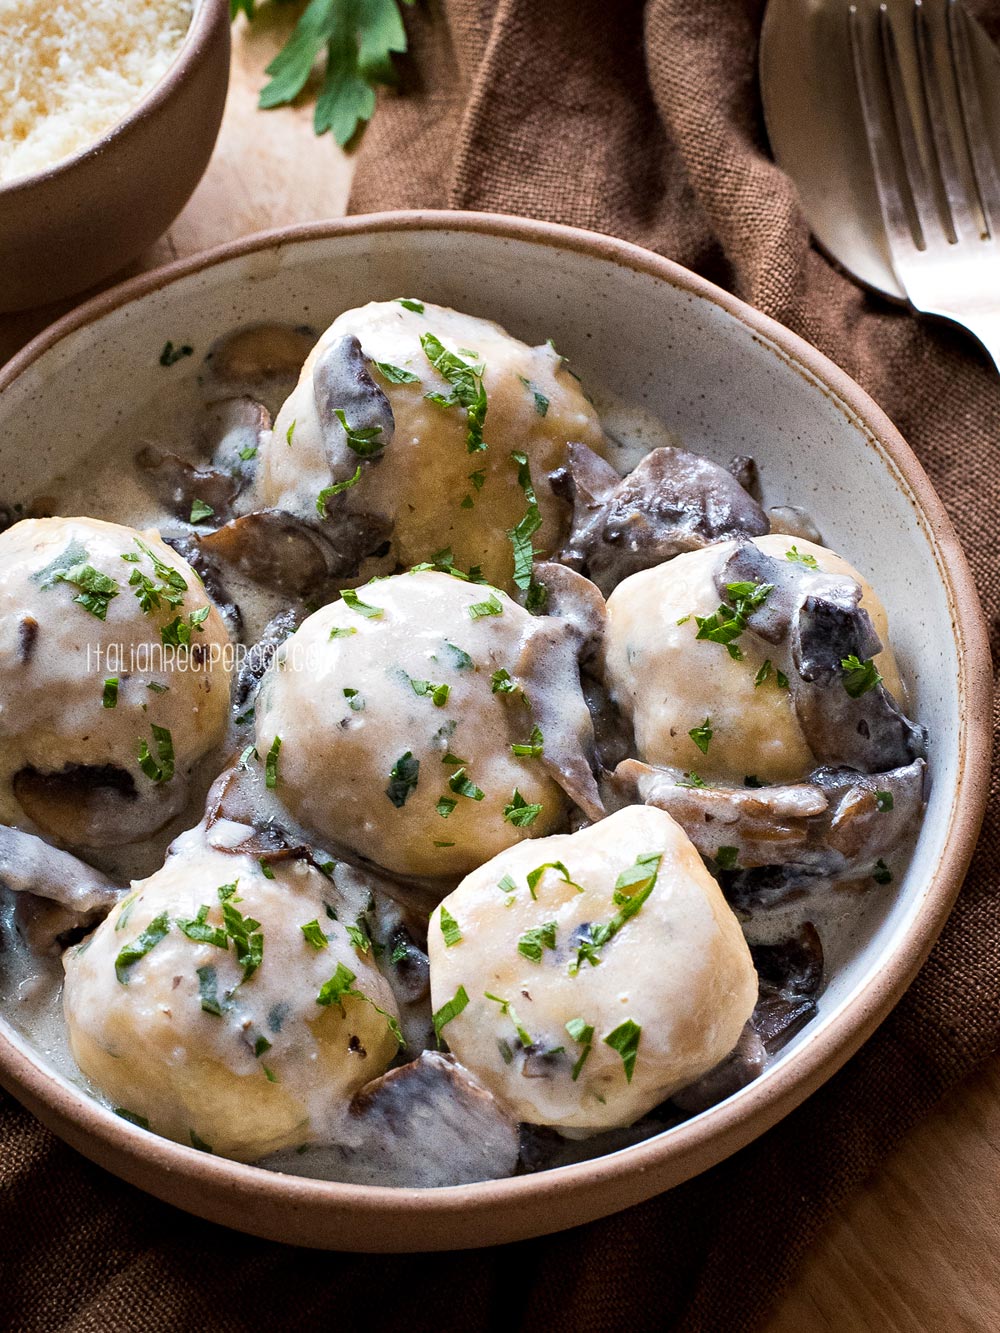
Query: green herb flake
[96,589]
[247,452]
[781,680]
[338,488]
[532,943]
[763,674]
[508,1010]
[801,557]
[583,1034]
[163,770]
[198,1142]
[271,764]
[478,479]
[632,887]
[130,954]
[726,624]
[109,698]
[364,440]
[396,374]
[702,736]
[491,607]
[200,511]
[313,933]
[208,989]
[445,806]
[507,885]
[359,937]
[461,785]
[408,304]
[245,934]
[265,869]
[403,778]
[692,780]
[883,801]
[881,874]
[126,910]
[541,402]
[171,354]
[859,677]
[355,700]
[726,858]
[501,682]
[625,1040]
[532,748]
[450,929]
[339,633]
[271,1077]
[200,929]
[460,659]
[520,812]
[534,876]
[467,390]
[290,432]
[448,1011]
[350,598]
[425,688]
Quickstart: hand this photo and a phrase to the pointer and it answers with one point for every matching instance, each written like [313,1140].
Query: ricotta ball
[671,683]
[586,977]
[395,727]
[114,679]
[226,1007]
[440,482]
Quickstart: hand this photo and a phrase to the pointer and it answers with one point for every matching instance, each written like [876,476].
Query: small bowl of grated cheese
[108,116]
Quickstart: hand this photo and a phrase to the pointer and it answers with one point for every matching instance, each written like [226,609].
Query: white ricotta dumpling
[204,1046]
[437,493]
[613,944]
[393,742]
[109,647]
[669,682]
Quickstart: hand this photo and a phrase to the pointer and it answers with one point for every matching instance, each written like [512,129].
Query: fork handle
[985,326]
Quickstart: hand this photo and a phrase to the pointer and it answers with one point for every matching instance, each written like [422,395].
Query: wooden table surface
[918,1249]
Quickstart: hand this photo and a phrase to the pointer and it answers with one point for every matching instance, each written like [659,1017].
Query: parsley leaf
[463,786]
[583,1034]
[533,747]
[109,698]
[313,933]
[625,1040]
[520,812]
[403,778]
[702,736]
[164,770]
[491,607]
[532,942]
[448,1011]
[801,557]
[450,928]
[271,764]
[338,488]
[364,441]
[535,875]
[859,677]
[202,931]
[467,389]
[883,801]
[130,954]
[409,304]
[506,1008]
[395,374]
[200,511]
[350,598]
[96,589]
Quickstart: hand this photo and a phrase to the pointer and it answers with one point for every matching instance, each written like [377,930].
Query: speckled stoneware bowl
[65,229]
[726,380]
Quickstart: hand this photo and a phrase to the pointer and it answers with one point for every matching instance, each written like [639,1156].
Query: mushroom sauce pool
[416,769]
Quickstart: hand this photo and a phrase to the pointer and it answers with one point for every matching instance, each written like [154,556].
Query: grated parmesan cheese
[69,72]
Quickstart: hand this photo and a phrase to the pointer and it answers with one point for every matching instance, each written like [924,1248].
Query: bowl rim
[205,16]
[704,1140]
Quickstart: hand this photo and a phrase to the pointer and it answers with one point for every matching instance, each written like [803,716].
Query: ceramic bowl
[726,380]
[65,229]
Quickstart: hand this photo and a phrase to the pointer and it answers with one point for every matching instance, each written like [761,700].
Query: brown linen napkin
[643,121]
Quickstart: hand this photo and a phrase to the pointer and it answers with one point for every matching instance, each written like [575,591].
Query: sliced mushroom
[820,617]
[95,805]
[57,894]
[575,600]
[673,501]
[261,655]
[549,673]
[342,385]
[791,975]
[614,740]
[262,359]
[177,483]
[791,521]
[200,560]
[740,1067]
[293,556]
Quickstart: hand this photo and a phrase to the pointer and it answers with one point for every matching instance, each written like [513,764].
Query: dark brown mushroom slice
[549,674]
[260,359]
[745,470]
[790,973]
[614,739]
[201,561]
[261,655]
[58,896]
[87,805]
[870,814]
[343,384]
[544,1149]
[290,555]
[576,600]
[427,1124]
[741,1066]
[820,617]
[674,501]
[177,482]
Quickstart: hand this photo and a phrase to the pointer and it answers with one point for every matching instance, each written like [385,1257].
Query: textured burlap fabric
[642,121]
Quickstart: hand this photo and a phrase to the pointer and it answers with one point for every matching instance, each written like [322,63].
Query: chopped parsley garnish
[170,584]
[355,701]
[507,885]
[520,812]
[164,770]
[338,633]
[478,479]
[74,554]
[727,623]
[132,1117]
[364,441]
[396,374]
[314,935]
[226,891]
[625,1040]
[692,780]
[881,874]
[245,934]
[265,869]
[725,857]
[684,619]
[781,679]
[883,801]
[126,910]
[641,879]
[400,951]
[534,941]
[702,736]
[271,1077]
[171,354]
[445,806]
[764,672]
[416,306]
[583,1034]
[535,875]
[271,764]
[801,557]
[521,536]
[461,660]
[859,677]
[157,688]
[449,928]
[541,402]
[96,589]
[442,843]
[338,488]
[201,930]
[208,989]
[491,607]
[437,693]
[507,1009]
[247,452]
[130,954]
[448,1011]
[249,753]
[461,785]
[290,432]
[467,502]
[467,389]
[350,598]
[403,778]
[533,747]
[178,633]
[109,698]
[501,682]
[200,511]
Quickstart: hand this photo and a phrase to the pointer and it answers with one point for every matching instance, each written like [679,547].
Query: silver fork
[935,173]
